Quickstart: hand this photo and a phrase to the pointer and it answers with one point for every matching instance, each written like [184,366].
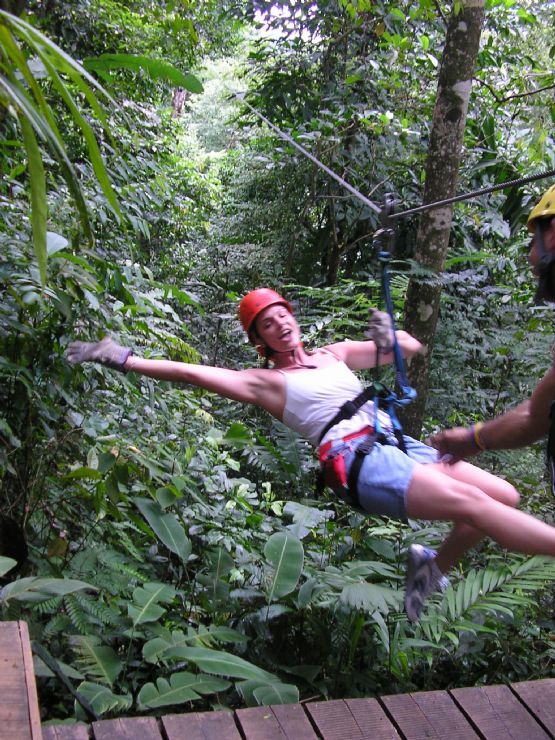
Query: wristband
[475,433]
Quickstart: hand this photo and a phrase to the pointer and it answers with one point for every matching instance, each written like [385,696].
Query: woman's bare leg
[435,495]
[464,537]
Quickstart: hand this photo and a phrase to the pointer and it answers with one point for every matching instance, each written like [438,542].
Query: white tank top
[313,397]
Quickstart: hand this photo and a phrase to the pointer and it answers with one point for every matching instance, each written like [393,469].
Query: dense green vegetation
[177,556]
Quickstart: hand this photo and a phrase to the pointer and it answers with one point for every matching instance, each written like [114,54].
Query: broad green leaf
[6,564]
[55,243]
[41,669]
[157,69]
[37,180]
[146,600]
[286,555]
[305,518]
[95,659]
[90,139]
[225,664]
[46,132]
[277,693]
[64,62]
[166,527]
[180,688]
[41,589]
[85,472]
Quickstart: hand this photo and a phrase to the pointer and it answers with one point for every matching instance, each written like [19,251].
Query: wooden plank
[371,719]
[201,726]
[77,731]
[293,721]
[444,715]
[334,720]
[259,723]
[409,717]
[498,714]
[539,697]
[19,709]
[32,698]
[128,728]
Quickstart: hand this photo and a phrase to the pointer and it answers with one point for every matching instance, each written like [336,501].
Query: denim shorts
[386,473]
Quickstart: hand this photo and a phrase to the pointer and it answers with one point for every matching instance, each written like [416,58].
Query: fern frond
[116,562]
[49,606]
[501,589]
[78,616]
[102,614]
[59,624]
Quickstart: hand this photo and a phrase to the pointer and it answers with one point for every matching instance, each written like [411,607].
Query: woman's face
[277,328]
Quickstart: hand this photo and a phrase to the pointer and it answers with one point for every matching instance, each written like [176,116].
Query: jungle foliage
[166,546]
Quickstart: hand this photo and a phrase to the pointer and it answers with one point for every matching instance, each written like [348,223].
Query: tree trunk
[454,84]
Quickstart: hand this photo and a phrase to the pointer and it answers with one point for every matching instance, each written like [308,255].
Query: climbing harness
[332,466]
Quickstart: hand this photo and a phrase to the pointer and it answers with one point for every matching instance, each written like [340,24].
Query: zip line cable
[377,209]
[312,158]
[474,193]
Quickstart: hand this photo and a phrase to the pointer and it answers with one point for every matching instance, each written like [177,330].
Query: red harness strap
[326,447]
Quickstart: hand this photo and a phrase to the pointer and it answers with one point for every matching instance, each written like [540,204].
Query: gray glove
[106,352]
[380,329]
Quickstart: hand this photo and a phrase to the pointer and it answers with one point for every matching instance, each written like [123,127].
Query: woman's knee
[470,503]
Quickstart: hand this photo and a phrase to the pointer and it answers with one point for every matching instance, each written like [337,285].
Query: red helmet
[255,302]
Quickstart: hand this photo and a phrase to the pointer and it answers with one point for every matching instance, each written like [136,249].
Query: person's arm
[362,355]
[247,386]
[517,427]
[257,386]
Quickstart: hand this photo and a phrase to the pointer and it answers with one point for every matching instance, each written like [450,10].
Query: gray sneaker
[423,579]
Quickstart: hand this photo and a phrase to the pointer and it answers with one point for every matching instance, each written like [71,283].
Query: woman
[305,391]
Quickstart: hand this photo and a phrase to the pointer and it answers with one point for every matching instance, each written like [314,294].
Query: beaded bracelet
[475,433]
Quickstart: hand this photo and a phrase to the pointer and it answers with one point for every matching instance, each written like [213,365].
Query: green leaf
[85,472]
[286,555]
[146,602]
[6,564]
[95,659]
[225,664]
[180,688]
[277,693]
[90,139]
[40,589]
[165,526]
[369,597]
[55,243]
[101,699]
[37,180]
[157,69]
[47,130]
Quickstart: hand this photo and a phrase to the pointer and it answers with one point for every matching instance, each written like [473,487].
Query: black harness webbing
[384,399]
[349,409]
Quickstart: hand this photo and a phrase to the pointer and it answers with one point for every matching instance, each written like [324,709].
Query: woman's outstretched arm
[261,387]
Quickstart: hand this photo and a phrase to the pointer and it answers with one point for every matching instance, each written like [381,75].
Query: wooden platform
[19,708]
[522,711]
